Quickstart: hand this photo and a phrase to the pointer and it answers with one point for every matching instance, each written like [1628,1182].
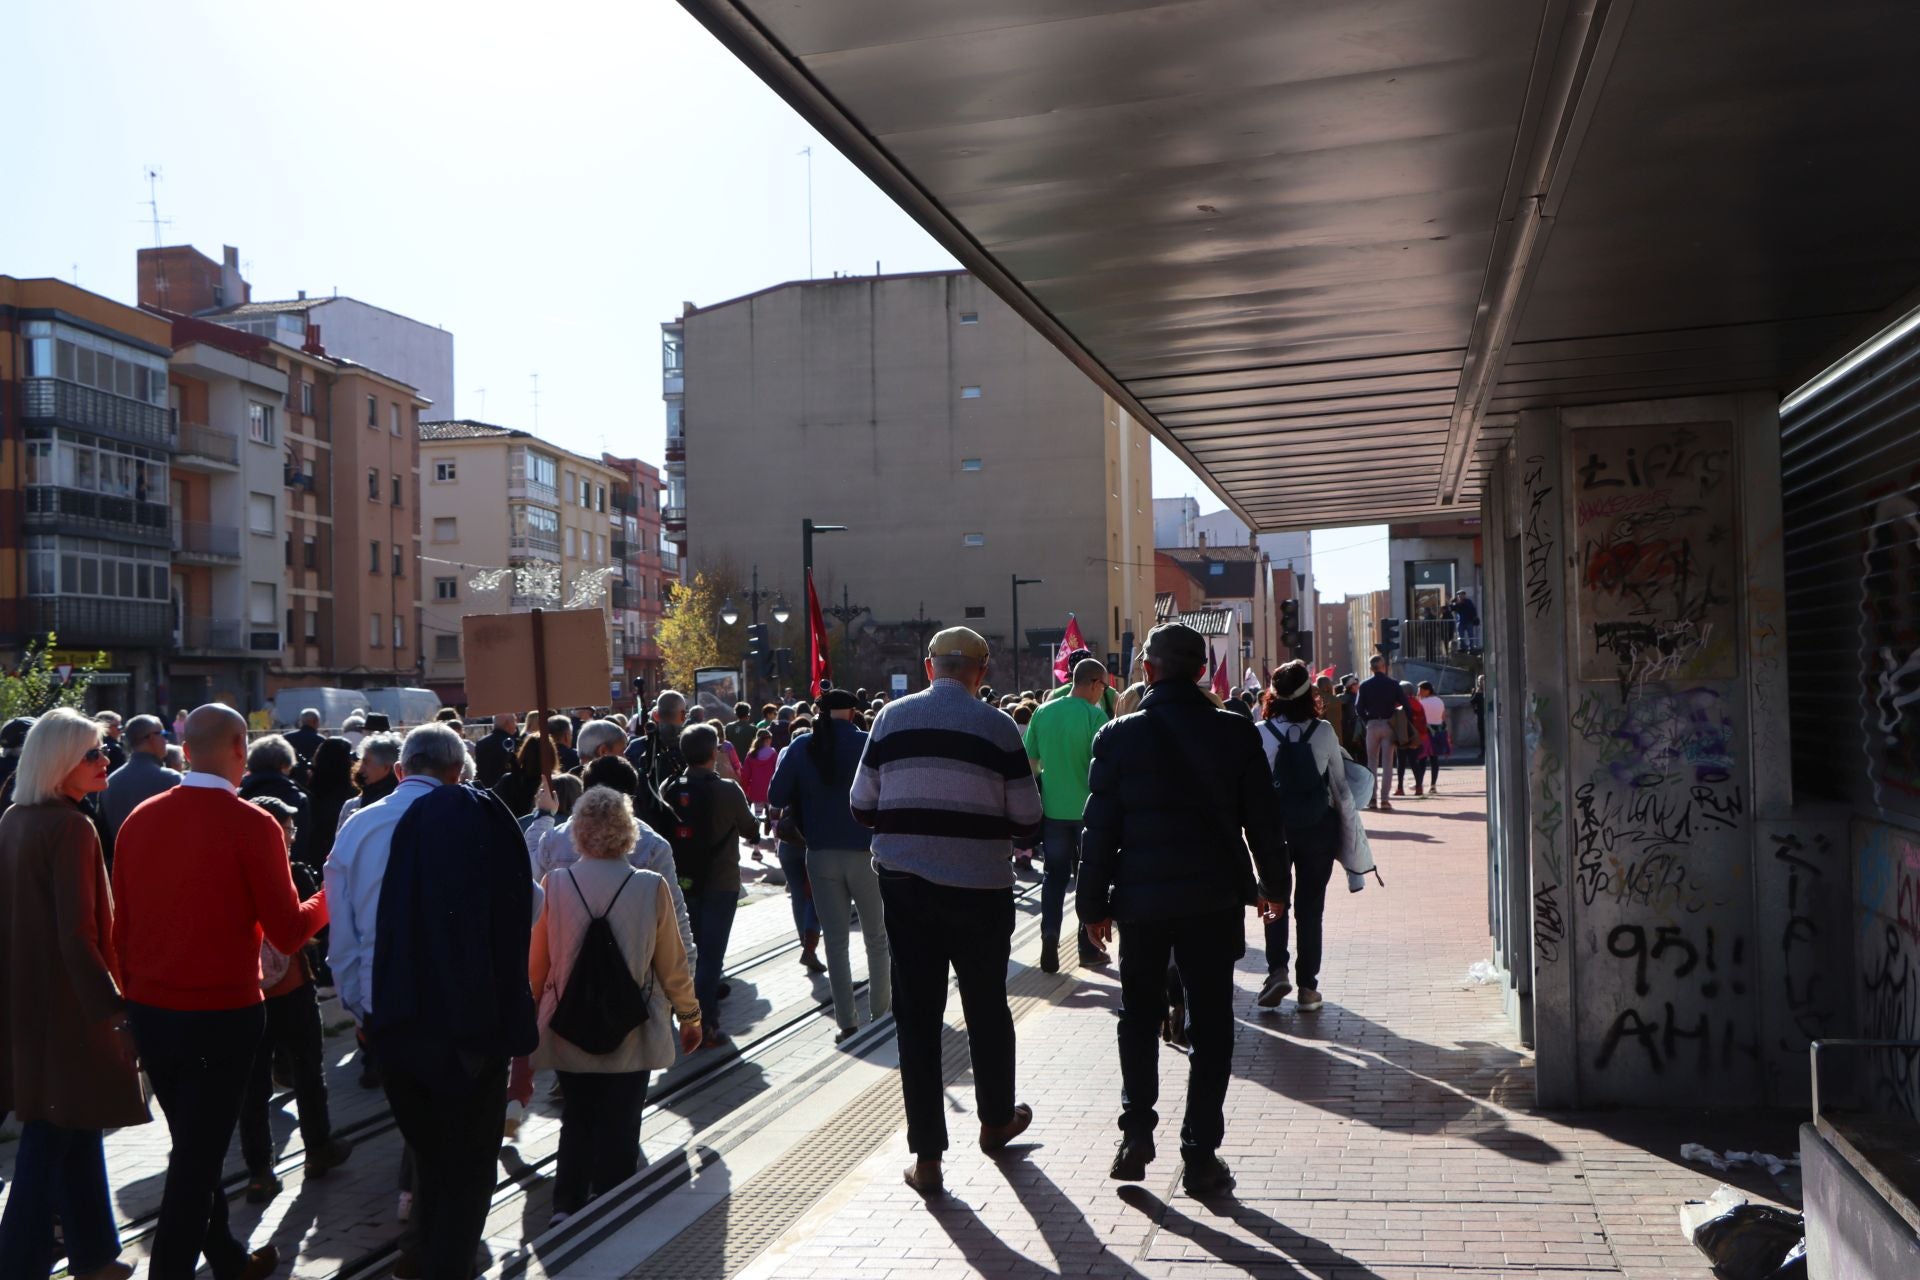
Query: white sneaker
[405,1210]
[510,1129]
[1309,1000]
[1274,991]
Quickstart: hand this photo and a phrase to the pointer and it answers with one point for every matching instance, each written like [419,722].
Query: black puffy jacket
[1163,838]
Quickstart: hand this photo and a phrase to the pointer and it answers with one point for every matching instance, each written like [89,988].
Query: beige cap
[958,642]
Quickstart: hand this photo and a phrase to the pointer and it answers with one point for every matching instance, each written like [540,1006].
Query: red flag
[1326,674]
[1221,685]
[819,665]
[1068,643]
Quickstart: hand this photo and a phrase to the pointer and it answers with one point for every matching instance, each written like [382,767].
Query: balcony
[523,489]
[211,635]
[198,542]
[669,560]
[68,404]
[621,549]
[625,597]
[205,448]
[80,511]
[83,623]
[674,518]
[544,546]
[677,448]
[626,503]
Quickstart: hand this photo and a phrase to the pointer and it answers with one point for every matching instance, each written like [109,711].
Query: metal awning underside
[1327,248]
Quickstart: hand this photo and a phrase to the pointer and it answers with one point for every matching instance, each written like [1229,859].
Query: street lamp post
[1018,582]
[846,611]
[807,529]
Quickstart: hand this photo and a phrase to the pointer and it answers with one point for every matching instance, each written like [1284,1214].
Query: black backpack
[691,831]
[602,1003]
[1302,788]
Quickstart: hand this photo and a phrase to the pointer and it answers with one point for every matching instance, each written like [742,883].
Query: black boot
[1050,955]
[1136,1153]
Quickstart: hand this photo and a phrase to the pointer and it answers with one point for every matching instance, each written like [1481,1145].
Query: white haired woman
[604,1093]
[66,1056]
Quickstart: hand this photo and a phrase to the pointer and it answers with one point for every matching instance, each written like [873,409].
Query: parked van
[405,708]
[334,705]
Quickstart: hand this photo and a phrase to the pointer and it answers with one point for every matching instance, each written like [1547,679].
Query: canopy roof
[1326,249]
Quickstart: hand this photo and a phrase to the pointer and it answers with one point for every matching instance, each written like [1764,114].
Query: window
[313,626]
[399,562]
[260,514]
[396,490]
[600,498]
[969,393]
[569,541]
[975,540]
[970,464]
[446,588]
[393,418]
[446,529]
[399,632]
[82,566]
[586,493]
[969,317]
[373,484]
[373,412]
[262,608]
[976,610]
[1216,569]
[310,553]
[373,557]
[446,648]
[259,423]
[306,398]
[374,631]
[289,550]
[444,471]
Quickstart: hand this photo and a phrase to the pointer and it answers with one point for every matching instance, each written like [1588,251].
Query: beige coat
[60,1061]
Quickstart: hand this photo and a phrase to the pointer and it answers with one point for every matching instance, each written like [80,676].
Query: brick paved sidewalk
[1386,1135]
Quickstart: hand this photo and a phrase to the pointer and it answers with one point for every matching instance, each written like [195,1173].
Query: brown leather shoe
[924,1176]
[261,1263]
[995,1137]
[115,1270]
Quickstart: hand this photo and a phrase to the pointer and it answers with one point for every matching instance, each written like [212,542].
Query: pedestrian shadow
[1368,1073]
[1289,1252]
[1072,1240]
[1469,816]
[1417,837]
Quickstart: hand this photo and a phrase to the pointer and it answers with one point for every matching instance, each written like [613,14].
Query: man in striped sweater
[946,787]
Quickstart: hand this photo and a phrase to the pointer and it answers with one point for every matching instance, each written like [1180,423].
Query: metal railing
[211,635]
[673,515]
[625,597]
[102,412]
[198,538]
[669,560]
[534,542]
[1427,639]
[621,549]
[89,512]
[198,440]
[533,491]
[83,622]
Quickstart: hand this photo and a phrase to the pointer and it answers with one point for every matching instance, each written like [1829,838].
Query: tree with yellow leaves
[691,633]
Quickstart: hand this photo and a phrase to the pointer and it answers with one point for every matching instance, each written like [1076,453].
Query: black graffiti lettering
[1630,1024]
[1549,930]
[1538,539]
[1664,1039]
[1590,474]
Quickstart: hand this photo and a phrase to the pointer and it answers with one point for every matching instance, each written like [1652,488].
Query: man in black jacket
[1172,788]
[307,738]
[493,754]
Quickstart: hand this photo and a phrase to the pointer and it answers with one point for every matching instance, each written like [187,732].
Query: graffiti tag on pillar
[1537,538]
[1890,644]
[1655,529]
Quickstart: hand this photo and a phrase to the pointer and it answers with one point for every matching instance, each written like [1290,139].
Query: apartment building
[86,462]
[340,509]
[512,522]
[959,446]
[646,564]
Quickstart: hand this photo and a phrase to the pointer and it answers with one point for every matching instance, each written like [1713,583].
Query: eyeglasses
[96,753]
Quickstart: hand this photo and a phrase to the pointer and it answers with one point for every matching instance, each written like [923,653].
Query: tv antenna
[806,151]
[483,402]
[153,203]
[536,401]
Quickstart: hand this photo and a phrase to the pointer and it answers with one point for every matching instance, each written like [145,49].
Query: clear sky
[550,183]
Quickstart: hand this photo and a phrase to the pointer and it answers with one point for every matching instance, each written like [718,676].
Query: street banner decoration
[819,666]
[1068,643]
[1221,684]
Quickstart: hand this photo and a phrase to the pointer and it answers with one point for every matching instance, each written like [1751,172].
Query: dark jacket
[1378,698]
[1162,838]
[141,778]
[820,805]
[450,990]
[493,756]
[305,742]
[656,754]
[281,787]
[116,753]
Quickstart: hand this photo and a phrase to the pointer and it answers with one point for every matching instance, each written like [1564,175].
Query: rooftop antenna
[809,154]
[483,402]
[153,203]
[536,402]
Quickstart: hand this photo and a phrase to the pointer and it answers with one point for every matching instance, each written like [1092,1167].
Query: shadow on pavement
[1288,1252]
[1072,1240]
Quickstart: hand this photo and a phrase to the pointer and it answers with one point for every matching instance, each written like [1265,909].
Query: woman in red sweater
[199,877]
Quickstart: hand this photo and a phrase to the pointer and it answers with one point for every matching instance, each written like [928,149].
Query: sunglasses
[96,753]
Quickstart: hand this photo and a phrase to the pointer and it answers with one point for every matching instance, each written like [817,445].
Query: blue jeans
[793,861]
[710,914]
[62,1171]
[1060,845]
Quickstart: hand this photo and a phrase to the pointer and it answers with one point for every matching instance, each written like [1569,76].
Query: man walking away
[493,755]
[141,778]
[306,740]
[450,1001]
[1060,744]
[741,732]
[199,878]
[711,819]
[1172,789]
[1378,698]
[110,735]
[946,787]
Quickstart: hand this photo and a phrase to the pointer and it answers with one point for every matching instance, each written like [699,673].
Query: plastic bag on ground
[1745,1241]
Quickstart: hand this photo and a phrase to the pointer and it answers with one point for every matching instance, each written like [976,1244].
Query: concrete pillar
[1666,868]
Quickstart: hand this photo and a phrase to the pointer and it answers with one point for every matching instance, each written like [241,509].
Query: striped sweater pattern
[945,785]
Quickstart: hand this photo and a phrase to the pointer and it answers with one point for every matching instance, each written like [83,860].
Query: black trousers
[198,1063]
[599,1134]
[1311,853]
[1205,948]
[293,1025]
[452,1122]
[930,928]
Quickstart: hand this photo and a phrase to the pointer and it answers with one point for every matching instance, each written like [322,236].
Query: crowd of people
[558,895]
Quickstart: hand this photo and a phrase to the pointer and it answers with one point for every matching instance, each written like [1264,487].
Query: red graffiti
[1622,565]
[1621,504]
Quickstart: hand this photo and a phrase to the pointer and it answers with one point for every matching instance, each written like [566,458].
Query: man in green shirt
[1060,744]
[1109,699]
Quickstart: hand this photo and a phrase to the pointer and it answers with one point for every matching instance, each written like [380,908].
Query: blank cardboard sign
[499,653]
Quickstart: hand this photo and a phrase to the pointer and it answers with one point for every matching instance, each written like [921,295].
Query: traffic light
[1303,646]
[1389,635]
[1289,619]
[758,654]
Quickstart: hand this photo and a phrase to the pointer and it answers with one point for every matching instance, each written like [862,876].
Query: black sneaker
[1130,1163]
[1049,955]
[329,1157]
[1205,1175]
[262,1186]
[725,989]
